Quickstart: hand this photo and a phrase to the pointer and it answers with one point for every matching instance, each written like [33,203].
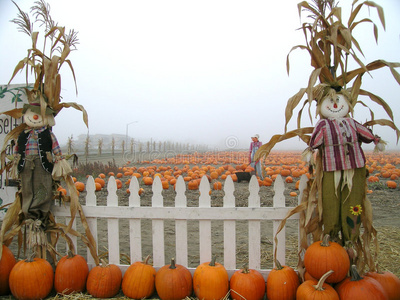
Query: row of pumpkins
[327,264]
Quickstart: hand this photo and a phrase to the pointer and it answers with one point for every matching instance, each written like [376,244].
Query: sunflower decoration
[337,162]
[36,146]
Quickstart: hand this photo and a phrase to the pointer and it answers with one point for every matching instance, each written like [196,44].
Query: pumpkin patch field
[383,192]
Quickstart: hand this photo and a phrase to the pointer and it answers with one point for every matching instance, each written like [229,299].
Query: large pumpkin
[247,284]
[323,256]
[173,282]
[282,283]
[312,289]
[104,281]
[210,281]
[389,282]
[356,287]
[139,280]
[31,279]
[7,262]
[71,274]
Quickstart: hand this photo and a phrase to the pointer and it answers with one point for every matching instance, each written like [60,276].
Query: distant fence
[181,214]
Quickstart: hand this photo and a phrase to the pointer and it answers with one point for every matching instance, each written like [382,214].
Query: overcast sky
[204,72]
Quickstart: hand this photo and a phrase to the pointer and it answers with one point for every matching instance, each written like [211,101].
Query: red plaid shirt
[341,143]
[32,147]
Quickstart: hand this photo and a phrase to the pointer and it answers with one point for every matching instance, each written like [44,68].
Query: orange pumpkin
[139,280]
[104,281]
[357,287]
[323,256]
[389,282]
[7,262]
[193,185]
[80,186]
[210,281]
[71,274]
[391,184]
[31,278]
[173,282]
[312,289]
[282,283]
[100,181]
[247,284]
[217,185]
[147,180]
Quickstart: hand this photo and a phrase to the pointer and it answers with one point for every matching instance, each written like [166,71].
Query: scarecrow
[334,201]
[38,162]
[38,159]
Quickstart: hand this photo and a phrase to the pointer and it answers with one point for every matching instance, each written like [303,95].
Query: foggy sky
[204,72]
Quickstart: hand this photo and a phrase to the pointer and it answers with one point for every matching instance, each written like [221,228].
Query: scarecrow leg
[331,205]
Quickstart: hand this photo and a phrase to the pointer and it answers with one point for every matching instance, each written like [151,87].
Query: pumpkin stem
[319,286]
[355,276]
[172,266]
[212,262]
[325,241]
[31,257]
[245,270]
[278,265]
[146,260]
[103,262]
[70,254]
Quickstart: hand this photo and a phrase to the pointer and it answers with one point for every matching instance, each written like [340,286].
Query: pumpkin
[210,281]
[391,184]
[71,274]
[101,181]
[193,185]
[147,180]
[7,262]
[282,283]
[323,256]
[104,281]
[80,186]
[139,280]
[311,289]
[357,287]
[173,282]
[217,186]
[31,278]
[389,282]
[247,284]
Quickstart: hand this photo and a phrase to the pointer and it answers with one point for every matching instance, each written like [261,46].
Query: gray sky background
[204,72]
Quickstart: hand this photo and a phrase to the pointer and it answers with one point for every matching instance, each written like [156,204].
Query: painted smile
[33,121]
[335,111]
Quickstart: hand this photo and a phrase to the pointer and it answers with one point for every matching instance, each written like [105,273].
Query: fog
[202,72]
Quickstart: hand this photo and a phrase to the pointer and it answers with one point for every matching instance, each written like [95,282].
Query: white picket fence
[181,214]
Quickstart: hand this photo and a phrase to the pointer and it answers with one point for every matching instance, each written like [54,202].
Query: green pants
[36,189]
[342,210]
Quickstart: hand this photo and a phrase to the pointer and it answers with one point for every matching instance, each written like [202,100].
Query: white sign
[11,96]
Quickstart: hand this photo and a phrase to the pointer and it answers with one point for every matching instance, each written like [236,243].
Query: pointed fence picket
[229,214]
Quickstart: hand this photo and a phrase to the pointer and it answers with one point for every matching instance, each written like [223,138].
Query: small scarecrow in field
[335,201]
[38,161]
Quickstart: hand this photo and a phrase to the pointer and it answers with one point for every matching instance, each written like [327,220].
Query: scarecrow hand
[61,168]
[380,146]
[14,166]
[307,155]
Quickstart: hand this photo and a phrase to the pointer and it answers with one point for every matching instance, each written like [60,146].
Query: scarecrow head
[332,102]
[34,118]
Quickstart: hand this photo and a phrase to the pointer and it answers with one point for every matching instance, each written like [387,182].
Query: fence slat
[279,201]
[91,201]
[113,224]
[158,225]
[229,227]
[135,225]
[181,235]
[254,226]
[205,225]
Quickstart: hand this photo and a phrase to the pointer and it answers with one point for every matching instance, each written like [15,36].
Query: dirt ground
[386,209]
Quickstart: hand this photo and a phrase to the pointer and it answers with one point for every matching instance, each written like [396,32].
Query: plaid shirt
[340,140]
[32,147]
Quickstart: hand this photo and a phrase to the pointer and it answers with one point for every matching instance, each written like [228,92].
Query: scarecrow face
[35,120]
[334,107]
